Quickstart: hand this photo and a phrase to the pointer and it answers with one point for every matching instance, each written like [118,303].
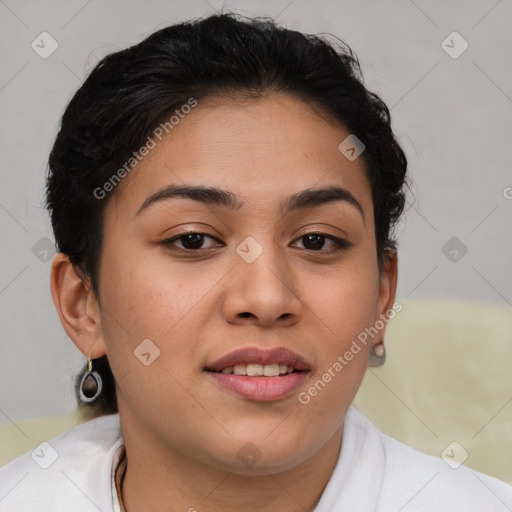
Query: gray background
[452,115]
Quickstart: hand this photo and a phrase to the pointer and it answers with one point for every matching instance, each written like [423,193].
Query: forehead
[260,149]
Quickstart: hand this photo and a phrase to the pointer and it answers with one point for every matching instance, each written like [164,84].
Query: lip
[256,355]
[260,389]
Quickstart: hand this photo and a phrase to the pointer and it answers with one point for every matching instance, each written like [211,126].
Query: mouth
[259,375]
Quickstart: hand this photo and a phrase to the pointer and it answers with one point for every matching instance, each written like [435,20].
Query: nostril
[245,314]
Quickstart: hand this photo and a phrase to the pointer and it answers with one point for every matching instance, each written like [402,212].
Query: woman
[223,197]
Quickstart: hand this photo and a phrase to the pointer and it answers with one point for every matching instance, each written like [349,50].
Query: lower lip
[260,389]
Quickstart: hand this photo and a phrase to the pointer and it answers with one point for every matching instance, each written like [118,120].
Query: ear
[77,307]
[387,290]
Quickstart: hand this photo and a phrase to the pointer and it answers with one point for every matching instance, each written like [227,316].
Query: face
[261,287]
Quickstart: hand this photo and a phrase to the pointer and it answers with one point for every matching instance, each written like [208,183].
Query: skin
[183,432]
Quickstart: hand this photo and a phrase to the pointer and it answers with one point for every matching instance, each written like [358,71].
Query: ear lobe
[77,307]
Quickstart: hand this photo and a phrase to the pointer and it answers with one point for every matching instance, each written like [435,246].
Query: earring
[90,385]
[377,355]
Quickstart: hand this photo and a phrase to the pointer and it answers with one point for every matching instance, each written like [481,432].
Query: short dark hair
[129,92]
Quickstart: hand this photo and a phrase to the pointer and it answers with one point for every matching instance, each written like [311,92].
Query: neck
[157,479]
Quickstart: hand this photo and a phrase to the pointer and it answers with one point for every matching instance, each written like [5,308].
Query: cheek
[344,307]
[144,299]
[148,296]
[346,301]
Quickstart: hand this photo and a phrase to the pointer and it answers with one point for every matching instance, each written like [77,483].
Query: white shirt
[374,473]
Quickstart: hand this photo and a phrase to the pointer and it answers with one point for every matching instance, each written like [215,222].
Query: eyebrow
[224,198]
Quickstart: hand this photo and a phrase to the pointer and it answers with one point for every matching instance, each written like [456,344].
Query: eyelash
[339,243]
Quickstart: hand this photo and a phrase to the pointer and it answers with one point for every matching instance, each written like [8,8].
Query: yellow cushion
[447,378]
[21,436]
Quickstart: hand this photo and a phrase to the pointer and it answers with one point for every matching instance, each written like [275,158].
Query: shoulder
[420,482]
[72,470]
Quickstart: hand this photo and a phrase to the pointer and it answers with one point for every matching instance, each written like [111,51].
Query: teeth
[258,370]
[271,370]
[239,369]
[254,370]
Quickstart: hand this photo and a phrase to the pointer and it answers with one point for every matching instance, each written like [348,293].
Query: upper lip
[256,355]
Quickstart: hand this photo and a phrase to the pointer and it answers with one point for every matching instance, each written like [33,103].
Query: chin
[260,456]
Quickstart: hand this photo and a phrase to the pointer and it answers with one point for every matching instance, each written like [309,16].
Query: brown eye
[316,242]
[191,241]
[313,241]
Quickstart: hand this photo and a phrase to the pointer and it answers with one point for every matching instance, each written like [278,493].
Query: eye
[190,241]
[316,241]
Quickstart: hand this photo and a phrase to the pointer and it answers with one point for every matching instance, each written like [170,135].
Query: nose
[262,292]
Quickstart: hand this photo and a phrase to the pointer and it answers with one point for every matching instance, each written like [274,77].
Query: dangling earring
[377,355]
[90,385]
